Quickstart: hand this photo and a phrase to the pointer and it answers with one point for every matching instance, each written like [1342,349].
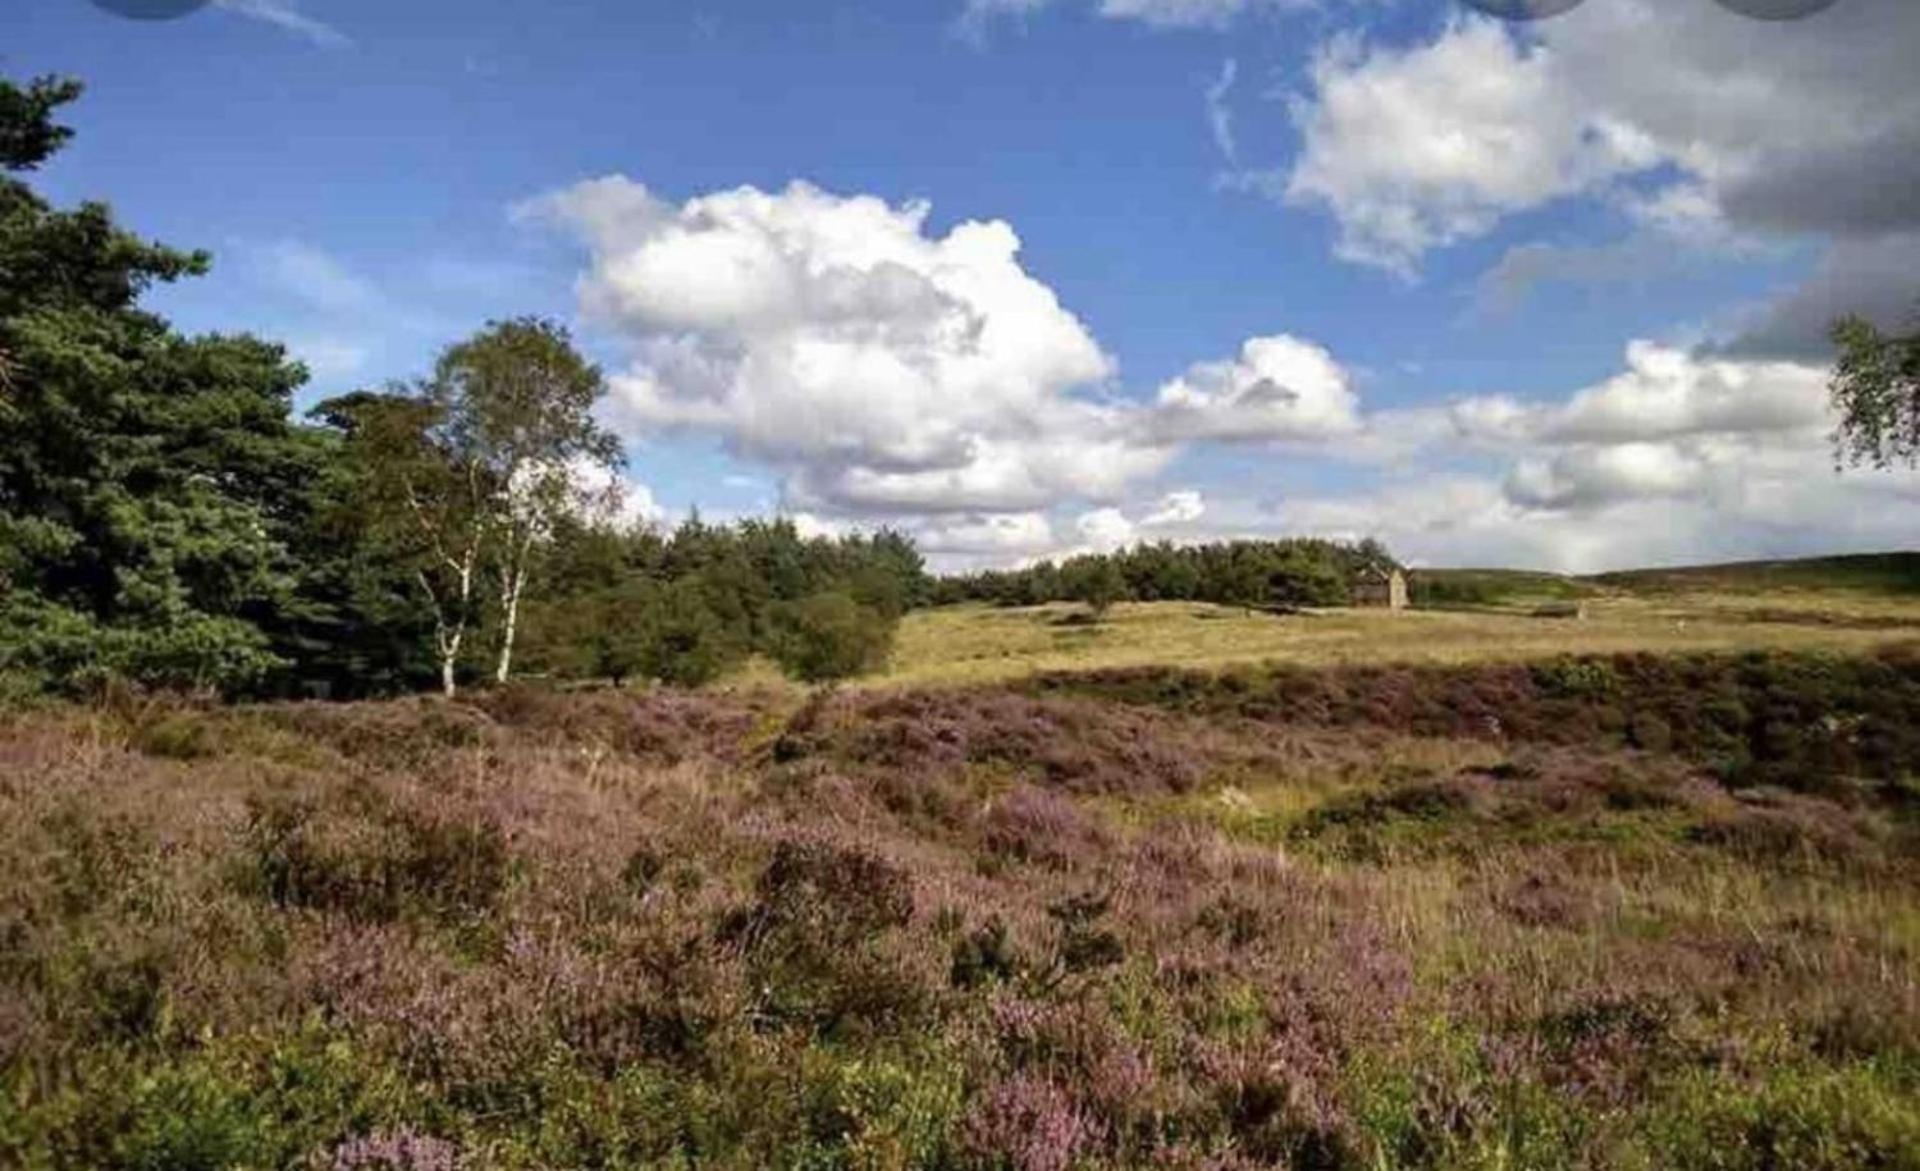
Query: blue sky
[1455,228]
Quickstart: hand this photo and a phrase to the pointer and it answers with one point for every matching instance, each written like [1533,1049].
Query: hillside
[1876,573]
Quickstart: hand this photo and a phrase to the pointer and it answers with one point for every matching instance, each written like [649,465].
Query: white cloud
[886,374]
[1104,530]
[1664,393]
[610,495]
[1279,388]
[1176,508]
[1220,115]
[1595,476]
[1812,127]
[810,526]
[1788,502]
[1679,457]
[1420,148]
[286,15]
[877,366]
[992,537]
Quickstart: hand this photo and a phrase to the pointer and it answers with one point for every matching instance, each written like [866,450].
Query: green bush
[682,640]
[64,651]
[830,636]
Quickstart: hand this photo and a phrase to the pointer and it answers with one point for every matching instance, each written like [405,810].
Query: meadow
[978,644]
[1200,889]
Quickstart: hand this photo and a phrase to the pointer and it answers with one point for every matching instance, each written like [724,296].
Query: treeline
[165,520]
[1281,574]
[688,606]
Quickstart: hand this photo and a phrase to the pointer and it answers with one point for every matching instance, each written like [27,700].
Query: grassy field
[976,644]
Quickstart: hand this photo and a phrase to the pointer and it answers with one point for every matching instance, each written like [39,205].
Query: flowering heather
[1164,922]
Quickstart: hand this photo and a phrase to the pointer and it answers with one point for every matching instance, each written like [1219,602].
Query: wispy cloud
[309,274]
[1219,115]
[286,15]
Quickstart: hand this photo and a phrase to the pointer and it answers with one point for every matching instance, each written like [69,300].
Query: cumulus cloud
[1414,149]
[986,537]
[1278,388]
[1542,479]
[888,374]
[1678,457]
[1782,503]
[1664,393]
[878,366]
[1176,508]
[1741,127]
[1104,530]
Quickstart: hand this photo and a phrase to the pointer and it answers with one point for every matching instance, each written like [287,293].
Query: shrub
[814,937]
[685,642]
[830,636]
[374,868]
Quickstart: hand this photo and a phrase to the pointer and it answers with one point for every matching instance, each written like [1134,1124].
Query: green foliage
[1097,581]
[830,636]
[681,636]
[1577,678]
[1442,588]
[157,507]
[1253,574]
[688,606]
[1876,390]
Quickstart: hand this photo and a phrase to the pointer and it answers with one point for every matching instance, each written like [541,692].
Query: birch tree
[1876,392]
[523,400]
[424,499]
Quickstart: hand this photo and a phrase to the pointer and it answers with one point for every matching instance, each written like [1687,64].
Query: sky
[1024,278]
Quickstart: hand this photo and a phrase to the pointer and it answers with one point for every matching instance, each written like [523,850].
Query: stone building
[1380,587]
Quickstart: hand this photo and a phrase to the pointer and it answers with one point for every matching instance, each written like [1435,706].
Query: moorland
[1462,888]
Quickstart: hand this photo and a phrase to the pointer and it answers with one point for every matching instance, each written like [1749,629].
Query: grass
[1277,918]
[980,644]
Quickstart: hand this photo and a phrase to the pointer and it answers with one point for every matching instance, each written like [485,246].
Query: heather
[1065,927]
[1812,722]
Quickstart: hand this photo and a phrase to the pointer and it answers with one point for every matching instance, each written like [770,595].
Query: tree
[519,399]
[1876,389]
[830,636]
[683,642]
[470,469]
[148,481]
[424,498]
[1099,583]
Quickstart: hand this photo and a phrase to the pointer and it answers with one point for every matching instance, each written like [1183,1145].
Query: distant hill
[1882,573]
[1877,573]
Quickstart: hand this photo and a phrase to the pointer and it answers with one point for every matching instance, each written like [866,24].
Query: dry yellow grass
[976,644]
